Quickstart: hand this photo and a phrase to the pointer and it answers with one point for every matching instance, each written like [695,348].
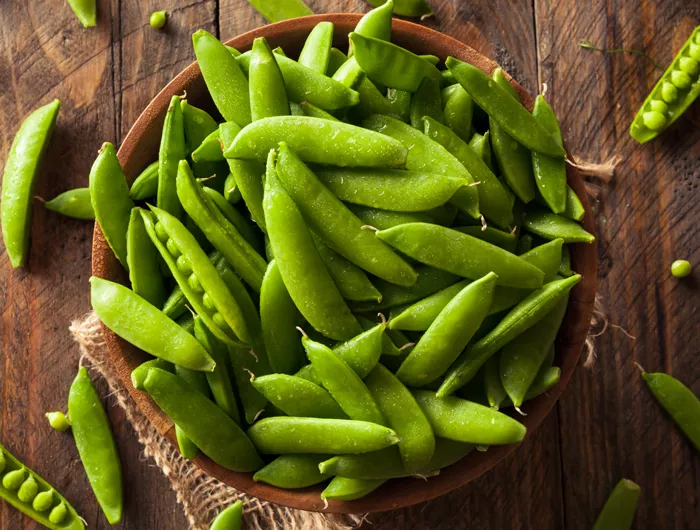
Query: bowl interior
[140,147]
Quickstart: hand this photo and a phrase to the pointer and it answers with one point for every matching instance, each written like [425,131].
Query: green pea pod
[300,265]
[382,464]
[343,383]
[350,489]
[229,518]
[350,74]
[546,378]
[407,8]
[552,226]
[523,245]
[337,225]
[74,203]
[404,416]
[142,259]
[46,497]
[458,111]
[550,173]
[618,512]
[384,219]
[464,421]
[461,254]
[139,374]
[277,11]
[420,315]
[284,435]
[218,230]
[236,218]
[176,304]
[513,158]
[504,240]
[574,208]
[400,104]
[565,264]
[209,150]
[225,80]
[427,102]
[298,397]
[523,316]
[198,381]
[377,23]
[314,112]
[315,53]
[336,59]
[214,432]
[145,186]
[449,333]
[388,347]
[292,471]
[268,95]
[279,317]
[493,198]
[198,125]
[172,150]
[336,143]
[424,154]
[96,447]
[110,200]
[86,11]
[677,399]
[481,145]
[231,191]
[391,65]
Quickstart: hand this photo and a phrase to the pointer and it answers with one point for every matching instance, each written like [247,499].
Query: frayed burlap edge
[202,496]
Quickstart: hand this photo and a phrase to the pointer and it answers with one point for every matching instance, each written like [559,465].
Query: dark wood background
[606,426]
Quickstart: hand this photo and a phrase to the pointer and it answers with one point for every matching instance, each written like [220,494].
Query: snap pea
[407,8]
[337,225]
[618,511]
[513,158]
[461,254]
[336,143]
[229,518]
[218,230]
[209,150]
[463,421]
[546,379]
[372,101]
[550,173]
[504,240]
[198,125]
[315,53]
[284,435]
[523,316]
[424,154]
[336,59]
[552,226]
[675,91]
[43,503]
[139,374]
[495,393]
[399,104]
[493,199]
[427,101]
[574,208]
[350,489]
[110,200]
[86,11]
[296,396]
[481,145]
[142,259]
[145,185]
[215,433]
[499,105]
[300,265]
[448,334]
[458,109]
[390,189]
[225,80]
[377,23]
[268,95]
[96,447]
[196,380]
[565,263]
[144,326]
[678,400]
[58,421]
[350,74]
[231,191]
[388,347]
[172,150]
[384,219]
[292,471]
[314,112]
[421,314]
[276,11]
[74,203]
[236,218]
[175,305]
[391,65]
[523,245]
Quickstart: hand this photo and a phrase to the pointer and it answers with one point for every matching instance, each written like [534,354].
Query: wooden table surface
[606,426]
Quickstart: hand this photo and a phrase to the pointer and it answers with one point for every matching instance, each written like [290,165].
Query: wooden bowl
[140,147]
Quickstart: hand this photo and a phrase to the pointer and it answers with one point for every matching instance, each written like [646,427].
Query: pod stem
[588,45]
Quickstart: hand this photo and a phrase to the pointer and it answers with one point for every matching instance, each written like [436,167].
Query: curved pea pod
[44,499]
[214,432]
[350,489]
[677,399]
[493,198]
[391,189]
[377,22]
[236,218]
[292,471]
[277,11]
[550,173]
[458,111]
[225,80]
[315,53]
[110,200]
[504,240]
[337,225]
[96,447]
[427,102]
[86,11]
[406,8]
[388,347]
[279,318]
[420,315]
[268,95]
[391,65]
[298,397]
[142,258]
[209,150]
[284,435]
[425,154]
[172,150]
[463,421]
[404,416]
[523,316]
[74,203]
[229,518]
[145,186]
[139,374]
[461,254]
[618,512]
[449,333]
[134,320]
[384,219]
[362,352]
[218,230]
[335,143]
[343,383]
[522,358]
[300,265]
[552,226]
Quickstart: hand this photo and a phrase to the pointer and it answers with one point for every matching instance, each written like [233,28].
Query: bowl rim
[397,493]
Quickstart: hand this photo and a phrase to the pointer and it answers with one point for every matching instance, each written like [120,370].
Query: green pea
[58,514]
[14,479]
[28,490]
[681,268]
[43,501]
[618,512]
[654,120]
[681,79]
[160,232]
[172,248]
[157,19]
[669,92]
[658,106]
[689,66]
[58,421]
[292,471]
[694,51]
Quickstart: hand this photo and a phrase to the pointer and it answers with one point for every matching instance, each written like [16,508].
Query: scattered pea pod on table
[618,512]
[230,518]
[74,203]
[281,10]
[86,11]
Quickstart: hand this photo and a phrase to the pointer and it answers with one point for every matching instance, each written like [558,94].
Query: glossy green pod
[86,11]
[296,396]
[230,518]
[139,374]
[427,102]
[277,11]
[550,226]
[406,8]
[458,110]
[350,489]
[550,173]
[268,95]
[145,185]
[292,471]
[74,203]
[618,511]
[172,149]
[316,51]
[143,260]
